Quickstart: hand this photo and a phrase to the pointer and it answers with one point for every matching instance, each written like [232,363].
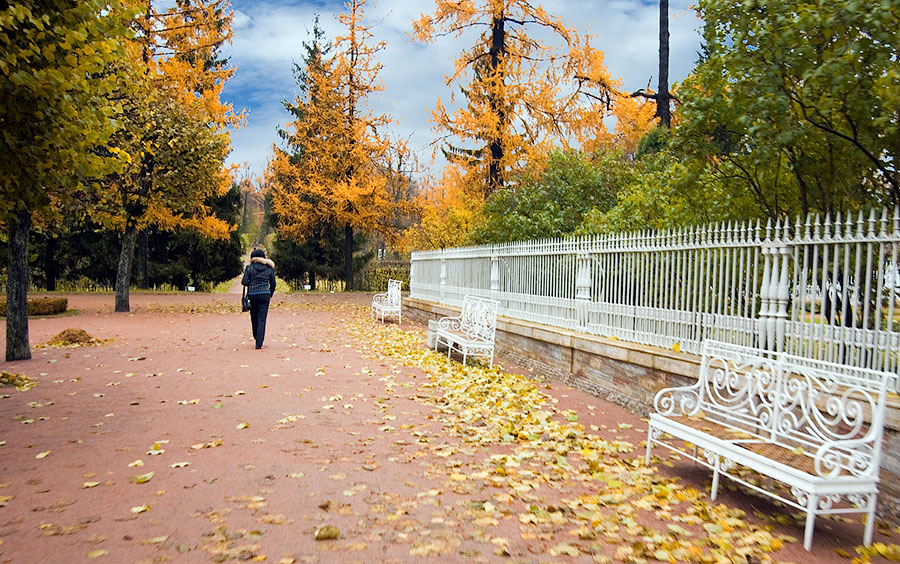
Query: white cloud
[269,36]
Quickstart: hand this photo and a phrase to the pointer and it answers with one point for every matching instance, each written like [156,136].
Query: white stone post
[495,273]
[780,298]
[774,293]
[443,279]
[583,284]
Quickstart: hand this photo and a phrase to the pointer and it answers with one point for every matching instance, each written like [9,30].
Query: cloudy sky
[268,37]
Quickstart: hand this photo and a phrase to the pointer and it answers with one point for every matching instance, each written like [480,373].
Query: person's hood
[260,260]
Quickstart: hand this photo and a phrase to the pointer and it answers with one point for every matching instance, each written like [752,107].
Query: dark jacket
[259,276]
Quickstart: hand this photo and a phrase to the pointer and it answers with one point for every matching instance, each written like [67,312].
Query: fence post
[583,284]
[774,291]
[495,273]
[781,296]
[443,278]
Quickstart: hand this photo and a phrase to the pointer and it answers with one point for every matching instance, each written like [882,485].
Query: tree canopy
[520,95]
[57,62]
[175,136]
[798,102]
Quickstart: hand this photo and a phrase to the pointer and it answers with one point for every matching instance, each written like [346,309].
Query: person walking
[259,278]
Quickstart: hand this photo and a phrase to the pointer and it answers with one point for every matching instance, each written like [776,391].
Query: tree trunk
[348,257]
[662,91]
[17,347]
[495,146]
[245,213]
[312,279]
[51,268]
[143,259]
[123,275]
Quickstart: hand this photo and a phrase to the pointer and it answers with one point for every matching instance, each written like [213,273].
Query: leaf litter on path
[623,511]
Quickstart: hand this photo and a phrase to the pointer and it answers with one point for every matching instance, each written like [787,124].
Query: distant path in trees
[236,287]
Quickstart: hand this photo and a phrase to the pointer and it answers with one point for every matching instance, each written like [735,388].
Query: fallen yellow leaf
[42,454]
[142,478]
[327,532]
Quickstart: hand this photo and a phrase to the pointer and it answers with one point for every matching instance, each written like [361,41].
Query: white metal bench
[472,332]
[814,426]
[388,303]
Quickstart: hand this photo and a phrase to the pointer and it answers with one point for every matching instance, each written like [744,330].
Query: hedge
[41,306]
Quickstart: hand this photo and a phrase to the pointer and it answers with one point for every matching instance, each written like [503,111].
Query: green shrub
[375,279]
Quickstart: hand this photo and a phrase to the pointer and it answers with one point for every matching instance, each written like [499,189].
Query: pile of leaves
[233,306]
[20,381]
[630,513]
[72,338]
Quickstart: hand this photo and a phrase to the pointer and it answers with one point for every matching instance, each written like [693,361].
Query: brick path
[253,452]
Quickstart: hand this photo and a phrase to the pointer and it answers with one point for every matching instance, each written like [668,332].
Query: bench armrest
[856,457]
[683,399]
[451,323]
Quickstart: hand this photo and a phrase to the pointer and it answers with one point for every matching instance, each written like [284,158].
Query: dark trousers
[259,310]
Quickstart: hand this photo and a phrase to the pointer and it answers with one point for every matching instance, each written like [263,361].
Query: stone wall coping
[679,363]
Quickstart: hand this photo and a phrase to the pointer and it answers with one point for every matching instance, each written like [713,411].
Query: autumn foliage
[175,136]
[332,172]
[520,96]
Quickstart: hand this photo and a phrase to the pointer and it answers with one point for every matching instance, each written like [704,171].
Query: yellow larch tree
[634,117]
[447,211]
[521,96]
[332,171]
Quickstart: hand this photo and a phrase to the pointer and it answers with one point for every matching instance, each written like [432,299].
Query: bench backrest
[393,292]
[799,403]
[478,319]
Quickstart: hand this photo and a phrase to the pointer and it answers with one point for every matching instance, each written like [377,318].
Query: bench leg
[649,445]
[715,481]
[870,521]
[810,521]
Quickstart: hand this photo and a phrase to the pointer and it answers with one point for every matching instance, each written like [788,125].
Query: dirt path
[252,452]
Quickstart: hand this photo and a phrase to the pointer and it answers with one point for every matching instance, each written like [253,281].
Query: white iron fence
[824,289]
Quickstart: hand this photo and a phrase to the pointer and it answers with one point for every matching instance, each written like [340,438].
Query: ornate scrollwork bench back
[736,387]
[834,413]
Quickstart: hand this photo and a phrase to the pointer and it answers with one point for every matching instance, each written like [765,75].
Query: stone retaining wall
[630,374]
